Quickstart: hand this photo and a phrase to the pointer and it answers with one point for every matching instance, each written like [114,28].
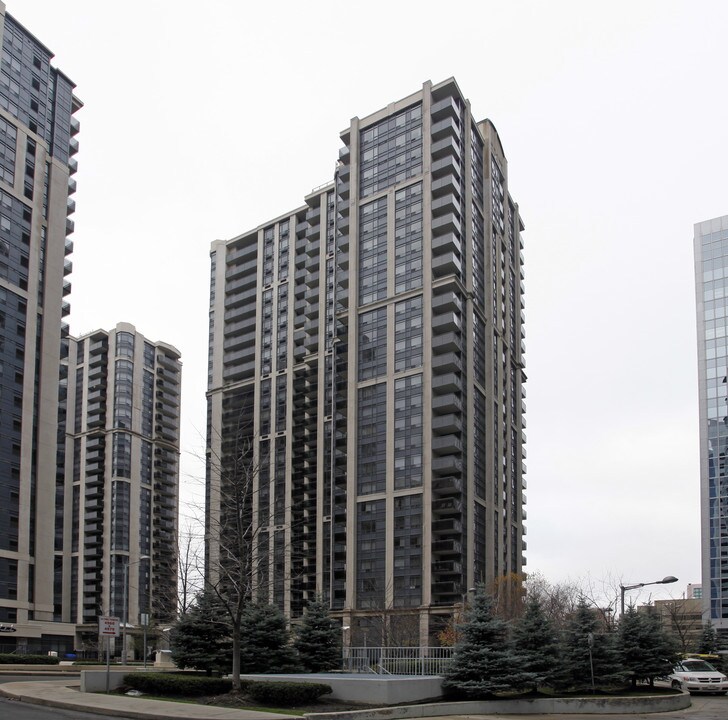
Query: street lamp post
[623,588]
[125,601]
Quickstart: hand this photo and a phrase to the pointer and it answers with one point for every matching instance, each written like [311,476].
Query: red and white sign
[109,626]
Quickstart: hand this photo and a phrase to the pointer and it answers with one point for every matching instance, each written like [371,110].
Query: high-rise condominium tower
[367,363]
[711,280]
[122,478]
[37,145]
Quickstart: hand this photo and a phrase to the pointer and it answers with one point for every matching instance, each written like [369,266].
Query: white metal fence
[397,660]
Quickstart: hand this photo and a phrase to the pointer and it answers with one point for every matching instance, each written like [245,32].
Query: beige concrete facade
[36,198]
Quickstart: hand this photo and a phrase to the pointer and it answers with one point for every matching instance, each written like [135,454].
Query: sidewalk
[66,694]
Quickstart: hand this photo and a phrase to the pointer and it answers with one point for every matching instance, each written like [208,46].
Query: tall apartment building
[711,281]
[37,145]
[121,481]
[367,354]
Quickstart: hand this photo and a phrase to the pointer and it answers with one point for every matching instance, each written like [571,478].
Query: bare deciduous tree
[190,580]
[508,593]
[559,600]
[231,534]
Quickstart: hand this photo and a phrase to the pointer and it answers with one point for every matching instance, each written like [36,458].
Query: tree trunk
[236,657]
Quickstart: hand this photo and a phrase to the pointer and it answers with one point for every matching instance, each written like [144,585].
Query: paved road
[14,710]
[707,707]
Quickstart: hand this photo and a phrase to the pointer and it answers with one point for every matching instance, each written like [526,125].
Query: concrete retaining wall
[25,667]
[369,689]
[95,680]
[534,706]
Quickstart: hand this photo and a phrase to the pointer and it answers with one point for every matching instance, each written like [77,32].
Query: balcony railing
[397,660]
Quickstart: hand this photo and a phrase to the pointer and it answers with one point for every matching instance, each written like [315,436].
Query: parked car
[695,675]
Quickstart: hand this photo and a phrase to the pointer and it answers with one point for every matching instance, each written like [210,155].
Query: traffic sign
[109,626]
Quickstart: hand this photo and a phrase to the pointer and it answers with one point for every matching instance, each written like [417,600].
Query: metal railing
[397,660]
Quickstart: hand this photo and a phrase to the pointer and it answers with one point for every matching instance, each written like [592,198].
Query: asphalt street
[14,710]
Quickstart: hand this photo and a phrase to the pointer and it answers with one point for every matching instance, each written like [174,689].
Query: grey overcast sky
[205,119]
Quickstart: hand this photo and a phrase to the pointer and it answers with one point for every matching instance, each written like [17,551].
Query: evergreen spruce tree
[707,644]
[484,661]
[265,645]
[647,651]
[583,630]
[318,639]
[535,639]
[201,638]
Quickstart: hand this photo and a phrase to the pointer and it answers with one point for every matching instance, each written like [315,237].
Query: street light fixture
[466,594]
[126,604]
[623,588]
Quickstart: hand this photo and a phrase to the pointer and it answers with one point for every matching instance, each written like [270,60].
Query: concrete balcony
[447,127]
[449,423]
[450,506]
[446,264]
[446,404]
[447,444]
[447,184]
[444,548]
[445,108]
[445,166]
[447,465]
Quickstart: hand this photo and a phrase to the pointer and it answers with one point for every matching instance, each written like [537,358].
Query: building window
[124,344]
[370,541]
[372,344]
[121,455]
[281,394]
[408,334]
[373,251]
[372,439]
[408,239]
[391,151]
[408,432]
[123,389]
[407,550]
[120,513]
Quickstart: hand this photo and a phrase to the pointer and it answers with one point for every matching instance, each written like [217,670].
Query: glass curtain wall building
[711,274]
[367,354]
[37,148]
[122,480]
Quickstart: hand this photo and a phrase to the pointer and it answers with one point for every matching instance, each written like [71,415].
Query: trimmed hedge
[11,659]
[286,694]
[280,694]
[175,684]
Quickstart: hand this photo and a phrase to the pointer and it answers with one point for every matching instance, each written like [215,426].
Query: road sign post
[144,617]
[108,628]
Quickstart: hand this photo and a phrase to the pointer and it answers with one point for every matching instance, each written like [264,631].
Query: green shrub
[286,694]
[92,662]
[177,684]
[11,659]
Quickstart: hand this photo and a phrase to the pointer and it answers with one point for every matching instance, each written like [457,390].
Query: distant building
[122,479]
[683,618]
[711,276]
[368,347]
[695,591]
[37,147]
